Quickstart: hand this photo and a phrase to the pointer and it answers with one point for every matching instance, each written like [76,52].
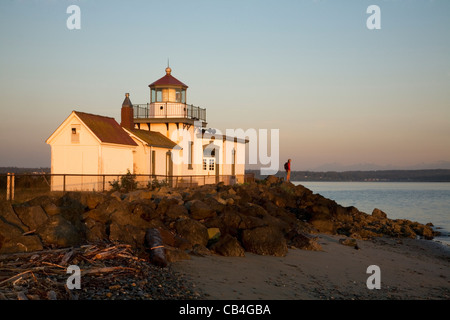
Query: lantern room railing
[168,110]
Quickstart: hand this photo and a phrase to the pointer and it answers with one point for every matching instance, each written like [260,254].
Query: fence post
[13,178]
[8,186]
[64,183]
[103,183]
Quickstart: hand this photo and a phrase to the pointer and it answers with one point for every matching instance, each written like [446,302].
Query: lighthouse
[168,108]
[165,139]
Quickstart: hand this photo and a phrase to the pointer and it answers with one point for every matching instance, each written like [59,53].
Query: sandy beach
[410,269]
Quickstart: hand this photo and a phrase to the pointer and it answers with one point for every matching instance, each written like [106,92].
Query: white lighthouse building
[165,139]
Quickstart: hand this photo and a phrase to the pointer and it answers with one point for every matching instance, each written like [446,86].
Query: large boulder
[378,214]
[175,212]
[323,224]
[264,241]
[128,234]
[59,232]
[31,216]
[192,230]
[13,240]
[8,215]
[228,246]
[200,210]
[95,231]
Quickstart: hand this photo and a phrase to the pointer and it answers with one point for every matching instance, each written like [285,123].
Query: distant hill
[374,167]
[430,175]
[4,170]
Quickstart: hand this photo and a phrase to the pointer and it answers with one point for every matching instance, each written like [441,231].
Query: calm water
[417,201]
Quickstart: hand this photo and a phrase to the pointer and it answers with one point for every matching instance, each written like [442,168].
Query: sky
[339,93]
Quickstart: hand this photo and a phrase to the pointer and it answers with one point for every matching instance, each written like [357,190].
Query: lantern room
[168,89]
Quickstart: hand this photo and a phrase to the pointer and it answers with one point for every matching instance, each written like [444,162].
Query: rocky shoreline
[265,217]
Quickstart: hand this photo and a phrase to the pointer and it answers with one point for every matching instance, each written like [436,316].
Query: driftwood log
[155,247]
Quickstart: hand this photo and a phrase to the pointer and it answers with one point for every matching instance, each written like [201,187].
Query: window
[209,164]
[158,95]
[75,136]
[180,95]
[153,98]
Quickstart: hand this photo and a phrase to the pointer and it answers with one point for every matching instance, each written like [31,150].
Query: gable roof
[105,128]
[168,80]
[153,138]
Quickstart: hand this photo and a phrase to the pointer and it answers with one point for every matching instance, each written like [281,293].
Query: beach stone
[348,242]
[200,250]
[304,242]
[228,246]
[175,254]
[264,241]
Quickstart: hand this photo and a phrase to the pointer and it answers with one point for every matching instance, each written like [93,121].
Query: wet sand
[410,269]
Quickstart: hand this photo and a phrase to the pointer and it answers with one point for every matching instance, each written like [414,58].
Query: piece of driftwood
[155,247]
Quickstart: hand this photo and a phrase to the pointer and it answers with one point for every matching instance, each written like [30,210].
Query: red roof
[168,80]
[106,129]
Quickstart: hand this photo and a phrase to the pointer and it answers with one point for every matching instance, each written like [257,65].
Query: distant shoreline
[431,175]
[423,175]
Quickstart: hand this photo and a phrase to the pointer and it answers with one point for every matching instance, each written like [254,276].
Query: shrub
[127,183]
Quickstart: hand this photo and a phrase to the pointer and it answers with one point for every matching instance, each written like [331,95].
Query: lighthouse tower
[168,108]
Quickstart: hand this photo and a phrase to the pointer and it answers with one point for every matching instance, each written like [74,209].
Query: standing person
[287,167]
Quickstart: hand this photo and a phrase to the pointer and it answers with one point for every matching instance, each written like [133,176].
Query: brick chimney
[127,120]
